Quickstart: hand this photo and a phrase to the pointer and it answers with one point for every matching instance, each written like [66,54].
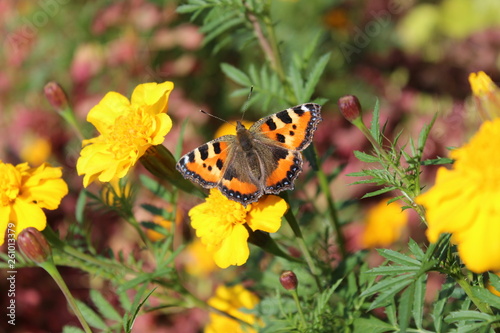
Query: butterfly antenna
[211,115]
[247,103]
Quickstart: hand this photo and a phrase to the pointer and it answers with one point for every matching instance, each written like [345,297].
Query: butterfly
[264,159]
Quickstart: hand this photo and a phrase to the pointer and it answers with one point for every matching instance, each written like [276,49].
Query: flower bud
[33,245]
[486,95]
[350,107]
[288,280]
[56,96]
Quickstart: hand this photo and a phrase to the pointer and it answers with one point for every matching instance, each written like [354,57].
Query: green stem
[292,221]
[299,308]
[54,273]
[69,116]
[410,197]
[332,210]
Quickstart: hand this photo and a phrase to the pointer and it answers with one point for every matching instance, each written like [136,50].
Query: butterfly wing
[205,164]
[280,167]
[292,128]
[282,136]
[221,163]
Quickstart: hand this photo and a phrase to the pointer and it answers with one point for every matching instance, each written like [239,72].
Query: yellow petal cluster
[465,200]
[199,262]
[230,300]
[127,129]
[383,224]
[222,224]
[24,191]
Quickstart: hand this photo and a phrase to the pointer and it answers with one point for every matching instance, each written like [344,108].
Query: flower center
[131,132]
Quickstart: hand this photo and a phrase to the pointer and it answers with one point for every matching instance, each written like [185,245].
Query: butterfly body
[264,159]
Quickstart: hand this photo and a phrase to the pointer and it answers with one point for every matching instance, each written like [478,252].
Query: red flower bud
[350,107]
[288,280]
[33,245]
[56,96]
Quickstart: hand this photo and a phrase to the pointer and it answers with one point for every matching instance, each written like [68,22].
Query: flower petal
[233,249]
[4,221]
[163,125]
[45,187]
[28,214]
[104,114]
[266,214]
[479,247]
[154,95]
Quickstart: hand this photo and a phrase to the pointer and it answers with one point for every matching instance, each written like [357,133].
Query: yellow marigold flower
[486,95]
[36,151]
[230,300]
[220,223]
[465,200]
[230,128]
[199,262]
[383,224]
[24,191]
[127,129]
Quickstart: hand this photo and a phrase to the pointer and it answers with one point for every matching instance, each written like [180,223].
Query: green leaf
[374,128]
[378,192]
[419,300]
[390,311]
[415,249]
[444,294]
[153,209]
[392,270]
[92,318]
[236,75]
[364,157]
[480,327]
[135,282]
[80,207]
[405,307]
[297,83]
[104,307]
[372,325]
[494,280]
[424,134]
[398,258]
[219,27]
[468,315]
[397,282]
[130,317]
[388,293]
[486,297]
[124,300]
[314,76]
[438,161]
[155,227]
[72,329]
